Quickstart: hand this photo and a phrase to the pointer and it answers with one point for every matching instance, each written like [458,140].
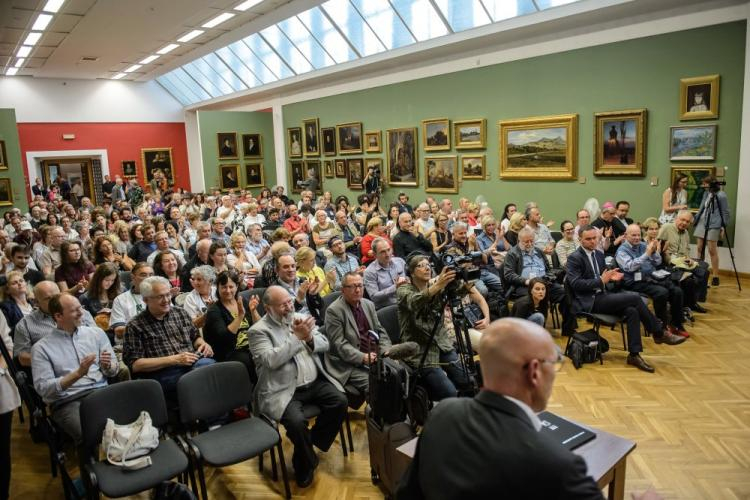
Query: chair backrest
[123,403]
[388,317]
[556,261]
[255,291]
[556,235]
[126,280]
[328,300]
[213,391]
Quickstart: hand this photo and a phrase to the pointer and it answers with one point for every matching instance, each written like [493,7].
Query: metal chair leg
[343,441]
[274,475]
[202,479]
[349,433]
[284,474]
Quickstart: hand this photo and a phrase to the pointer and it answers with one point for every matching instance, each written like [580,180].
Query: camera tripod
[713,204]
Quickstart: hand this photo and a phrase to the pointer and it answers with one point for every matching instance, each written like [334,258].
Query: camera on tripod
[715,186]
[464,273]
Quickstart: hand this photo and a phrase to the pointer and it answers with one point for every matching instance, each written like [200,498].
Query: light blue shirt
[380,282]
[533,265]
[347,264]
[632,260]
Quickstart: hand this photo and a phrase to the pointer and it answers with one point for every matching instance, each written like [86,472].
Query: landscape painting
[692,142]
[620,148]
[436,134]
[470,134]
[694,188]
[441,174]
[472,167]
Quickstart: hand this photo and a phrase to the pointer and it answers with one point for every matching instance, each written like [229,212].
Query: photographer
[372,180]
[714,216]
[463,244]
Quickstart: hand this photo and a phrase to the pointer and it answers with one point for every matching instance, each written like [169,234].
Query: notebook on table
[566,433]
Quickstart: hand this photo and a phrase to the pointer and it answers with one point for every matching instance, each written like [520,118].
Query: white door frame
[34,161]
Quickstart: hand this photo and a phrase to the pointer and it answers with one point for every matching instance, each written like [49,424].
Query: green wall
[241,122]
[9,134]
[642,73]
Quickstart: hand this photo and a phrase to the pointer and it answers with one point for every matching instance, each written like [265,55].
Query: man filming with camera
[372,180]
[710,222]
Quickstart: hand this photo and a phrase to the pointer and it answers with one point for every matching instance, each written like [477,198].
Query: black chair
[311,411]
[255,291]
[388,317]
[210,393]
[126,279]
[556,235]
[597,320]
[327,301]
[123,403]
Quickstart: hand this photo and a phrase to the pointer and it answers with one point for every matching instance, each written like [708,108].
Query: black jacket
[406,243]
[513,266]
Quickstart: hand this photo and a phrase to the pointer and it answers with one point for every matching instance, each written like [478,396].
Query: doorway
[75,171]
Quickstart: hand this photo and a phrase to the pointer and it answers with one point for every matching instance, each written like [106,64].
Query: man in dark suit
[490,445]
[587,276]
[348,321]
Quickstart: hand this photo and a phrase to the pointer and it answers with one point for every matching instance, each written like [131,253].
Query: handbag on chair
[128,445]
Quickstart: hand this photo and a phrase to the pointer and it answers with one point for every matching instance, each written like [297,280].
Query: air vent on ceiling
[89,59]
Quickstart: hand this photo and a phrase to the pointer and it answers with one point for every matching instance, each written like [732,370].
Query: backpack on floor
[582,347]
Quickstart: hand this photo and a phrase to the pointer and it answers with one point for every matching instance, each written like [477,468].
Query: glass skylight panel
[189,87]
[383,19]
[210,83]
[297,33]
[256,66]
[352,25]
[224,72]
[291,55]
[170,87]
[463,14]
[236,64]
[547,4]
[506,9]
[421,18]
[325,33]
[263,52]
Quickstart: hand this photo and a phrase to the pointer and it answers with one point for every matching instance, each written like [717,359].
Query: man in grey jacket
[286,350]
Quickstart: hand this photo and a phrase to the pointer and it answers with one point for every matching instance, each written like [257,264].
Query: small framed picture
[355,173]
[129,169]
[340,168]
[692,142]
[227,142]
[699,97]
[311,139]
[441,174]
[372,142]
[436,134]
[328,168]
[315,165]
[470,134]
[252,146]
[230,176]
[3,156]
[297,169]
[473,167]
[294,142]
[349,137]
[253,175]
[329,140]
[6,193]
[694,188]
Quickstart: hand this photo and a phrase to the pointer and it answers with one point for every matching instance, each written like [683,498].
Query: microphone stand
[714,205]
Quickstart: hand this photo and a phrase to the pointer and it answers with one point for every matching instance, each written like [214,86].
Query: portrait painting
[470,134]
[340,168]
[315,165]
[355,173]
[692,142]
[694,188]
[254,175]
[539,148]
[329,140]
[328,168]
[402,157]
[3,156]
[294,142]
[699,97]
[6,193]
[441,174]
[297,170]
[619,147]
[157,159]
[227,142]
[372,142]
[129,169]
[311,139]
[436,134]
[252,146]
[349,137]
[472,167]
[230,176]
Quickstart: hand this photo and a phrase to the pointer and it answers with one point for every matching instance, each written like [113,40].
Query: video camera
[464,273]
[715,186]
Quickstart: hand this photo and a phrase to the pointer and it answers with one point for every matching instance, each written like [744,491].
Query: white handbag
[126,445]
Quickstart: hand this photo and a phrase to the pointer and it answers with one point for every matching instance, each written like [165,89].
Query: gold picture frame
[436,134]
[328,136]
[470,134]
[229,176]
[294,142]
[699,97]
[316,166]
[349,138]
[328,169]
[6,193]
[227,145]
[154,159]
[619,143]
[254,175]
[542,147]
[311,137]
[473,167]
[252,145]
[355,173]
[340,168]
[3,156]
[297,173]
[441,174]
[401,157]
[373,142]
[695,175]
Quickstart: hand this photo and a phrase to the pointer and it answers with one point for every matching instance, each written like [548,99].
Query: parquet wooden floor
[691,420]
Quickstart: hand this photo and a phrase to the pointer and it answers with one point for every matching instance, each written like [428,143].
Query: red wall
[123,141]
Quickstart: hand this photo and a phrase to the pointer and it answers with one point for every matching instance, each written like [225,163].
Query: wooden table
[605,457]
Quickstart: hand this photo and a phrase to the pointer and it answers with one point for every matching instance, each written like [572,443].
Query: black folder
[563,431]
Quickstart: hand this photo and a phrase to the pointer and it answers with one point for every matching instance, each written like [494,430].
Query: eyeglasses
[356,287]
[164,296]
[423,265]
[557,362]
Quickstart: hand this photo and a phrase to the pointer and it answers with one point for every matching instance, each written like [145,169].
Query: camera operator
[714,215]
[463,244]
[372,180]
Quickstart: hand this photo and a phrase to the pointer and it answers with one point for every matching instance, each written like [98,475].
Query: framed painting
[3,156]
[227,143]
[355,173]
[539,148]
[619,144]
[376,163]
[253,175]
[694,188]
[441,174]
[311,138]
[315,165]
[436,134]
[699,97]
[473,167]
[402,157]
[349,138]
[230,176]
[129,169]
[157,159]
[372,142]
[692,142]
[328,168]
[340,168]
[297,169]
[329,140]
[293,139]
[470,134]
[252,145]
[6,193]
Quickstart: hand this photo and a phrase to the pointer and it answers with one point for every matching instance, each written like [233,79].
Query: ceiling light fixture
[42,22]
[247,4]
[32,39]
[168,48]
[53,5]
[11,71]
[149,59]
[20,61]
[189,36]
[118,76]
[134,67]
[24,51]
[218,20]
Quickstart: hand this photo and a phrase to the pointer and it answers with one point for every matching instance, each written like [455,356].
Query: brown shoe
[669,339]
[640,363]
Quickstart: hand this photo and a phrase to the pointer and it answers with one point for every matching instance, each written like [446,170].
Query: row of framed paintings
[6,193]
[252,146]
[252,175]
[152,159]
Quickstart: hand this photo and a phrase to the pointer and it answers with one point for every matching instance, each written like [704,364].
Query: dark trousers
[332,404]
[632,308]
[441,382]
[660,295]
[168,378]
[557,295]
[6,419]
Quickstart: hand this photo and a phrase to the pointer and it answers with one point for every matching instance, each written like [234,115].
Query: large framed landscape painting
[692,142]
[441,174]
[402,157]
[694,188]
[619,145]
[543,147]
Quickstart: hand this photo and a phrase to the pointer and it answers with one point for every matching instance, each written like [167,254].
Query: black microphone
[402,351]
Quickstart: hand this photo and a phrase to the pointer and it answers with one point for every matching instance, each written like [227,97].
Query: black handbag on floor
[586,347]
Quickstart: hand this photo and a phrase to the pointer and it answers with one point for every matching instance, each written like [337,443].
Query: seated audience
[307,270]
[15,304]
[167,266]
[568,244]
[257,244]
[146,246]
[217,256]
[408,239]
[323,230]
[604,223]
[243,260]
[384,275]
[677,254]
[375,229]
[294,223]
[543,239]
[102,290]
[201,258]
[49,259]
[517,222]
[463,244]
[347,231]
[161,238]
[203,294]
[535,305]
[104,251]
[441,236]
[305,293]
[20,260]
[341,261]
[129,304]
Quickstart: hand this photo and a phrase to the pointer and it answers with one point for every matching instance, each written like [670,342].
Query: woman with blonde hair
[241,259]
[306,268]
[375,229]
[15,304]
[517,222]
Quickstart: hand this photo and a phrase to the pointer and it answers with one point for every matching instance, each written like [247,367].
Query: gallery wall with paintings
[12,183]
[615,121]
[237,149]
